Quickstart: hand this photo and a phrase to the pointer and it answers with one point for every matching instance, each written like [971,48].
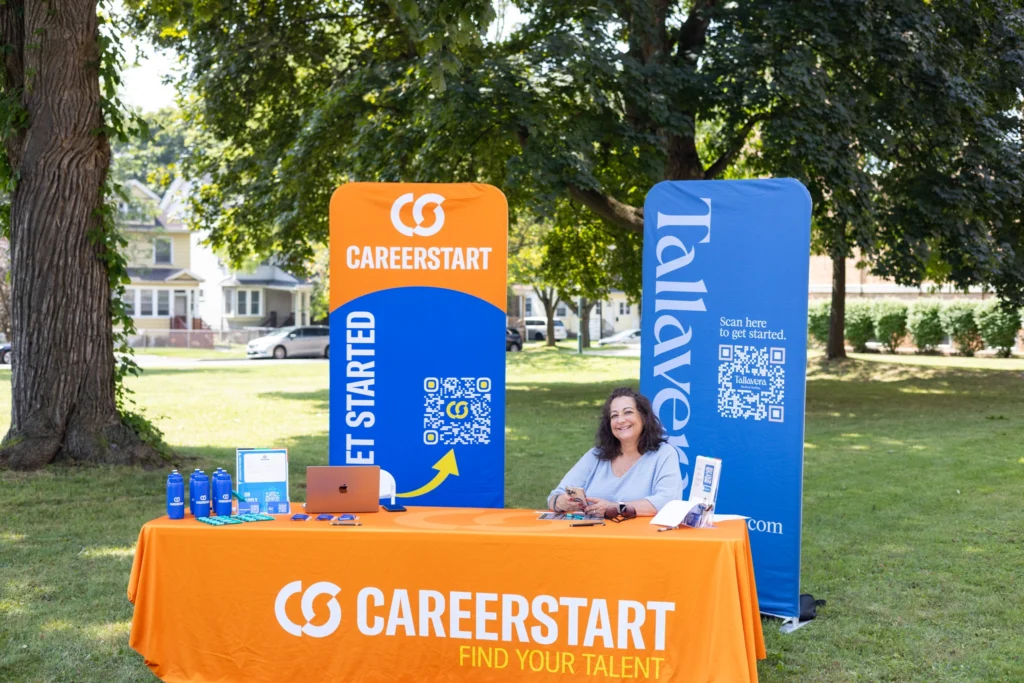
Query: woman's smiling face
[625,419]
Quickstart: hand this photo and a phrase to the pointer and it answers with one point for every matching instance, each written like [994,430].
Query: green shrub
[890,319]
[998,327]
[925,325]
[859,328]
[959,323]
[818,315]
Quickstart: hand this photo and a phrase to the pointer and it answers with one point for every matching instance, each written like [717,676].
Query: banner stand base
[792,624]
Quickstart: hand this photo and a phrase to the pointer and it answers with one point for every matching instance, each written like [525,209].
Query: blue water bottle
[202,495]
[175,495]
[222,493]
[192,491]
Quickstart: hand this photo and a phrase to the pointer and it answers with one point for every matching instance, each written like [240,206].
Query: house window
[243,297]
[146,302]
[627,308]
[561,311]
[229,298]
[254,302]
[129,301]
[622,308]
[163,302]
[162,251]
[529,306]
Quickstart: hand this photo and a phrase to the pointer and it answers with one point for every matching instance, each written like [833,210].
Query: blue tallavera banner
[418,292]
[724,352]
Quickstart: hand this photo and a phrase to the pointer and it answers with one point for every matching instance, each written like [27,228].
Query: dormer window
[162,251]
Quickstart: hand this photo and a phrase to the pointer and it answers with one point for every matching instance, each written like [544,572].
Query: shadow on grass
[321,397]
[883,369]
[63,606]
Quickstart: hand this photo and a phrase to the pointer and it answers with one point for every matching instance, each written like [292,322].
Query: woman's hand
[564,503]
[596,506]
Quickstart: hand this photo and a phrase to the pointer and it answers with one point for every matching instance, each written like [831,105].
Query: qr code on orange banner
[457,411]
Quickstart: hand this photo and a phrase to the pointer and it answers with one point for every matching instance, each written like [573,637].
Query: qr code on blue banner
[751,382]
[456,411]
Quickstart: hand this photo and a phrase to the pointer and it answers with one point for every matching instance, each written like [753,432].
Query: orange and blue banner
[417,300]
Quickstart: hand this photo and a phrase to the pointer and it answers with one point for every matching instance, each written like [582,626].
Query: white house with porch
[266,296]
[182,294]
[163,291]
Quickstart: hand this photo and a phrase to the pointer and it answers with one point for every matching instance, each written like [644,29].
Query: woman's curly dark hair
[651,436]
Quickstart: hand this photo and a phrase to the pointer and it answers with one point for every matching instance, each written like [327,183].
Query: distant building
[861,283]
[615,314]
[163,291]
[179,287]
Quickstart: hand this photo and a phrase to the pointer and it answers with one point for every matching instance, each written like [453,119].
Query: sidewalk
[154,361]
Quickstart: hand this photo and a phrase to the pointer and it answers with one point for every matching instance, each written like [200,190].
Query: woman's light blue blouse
[655,476]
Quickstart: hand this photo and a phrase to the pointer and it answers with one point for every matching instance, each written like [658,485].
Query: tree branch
[692,33]
[548,296]
[723,162]
[609,208]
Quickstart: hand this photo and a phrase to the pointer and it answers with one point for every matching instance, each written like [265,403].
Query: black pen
[587,524]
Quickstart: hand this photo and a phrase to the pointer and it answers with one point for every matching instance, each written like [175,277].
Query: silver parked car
[292,342]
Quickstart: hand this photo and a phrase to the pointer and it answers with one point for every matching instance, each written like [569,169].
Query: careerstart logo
[408,257]
[310,594]
[619,624]
[418,205]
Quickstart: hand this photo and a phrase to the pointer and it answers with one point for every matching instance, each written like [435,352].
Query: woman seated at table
[630,470]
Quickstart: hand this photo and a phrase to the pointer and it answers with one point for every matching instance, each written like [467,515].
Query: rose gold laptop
[343,488]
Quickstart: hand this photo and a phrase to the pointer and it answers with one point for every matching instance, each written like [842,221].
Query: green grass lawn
[913,510]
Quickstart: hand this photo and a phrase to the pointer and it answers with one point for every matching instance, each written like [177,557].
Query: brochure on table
[698,510]
[262,475]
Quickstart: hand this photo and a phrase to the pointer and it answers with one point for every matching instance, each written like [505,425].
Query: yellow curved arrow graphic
[444,467]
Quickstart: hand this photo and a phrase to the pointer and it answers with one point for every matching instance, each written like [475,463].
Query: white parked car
[624,337]
[290,342]
[537,329]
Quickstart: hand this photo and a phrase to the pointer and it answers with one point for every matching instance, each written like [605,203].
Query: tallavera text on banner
[724,351]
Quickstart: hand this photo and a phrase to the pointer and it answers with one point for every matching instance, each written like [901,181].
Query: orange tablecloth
[445,594]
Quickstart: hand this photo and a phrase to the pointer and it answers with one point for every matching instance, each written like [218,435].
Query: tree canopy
[900,116]
[154,156]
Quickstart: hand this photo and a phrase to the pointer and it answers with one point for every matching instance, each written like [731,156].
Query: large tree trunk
[62,380]
[683,162]
[836,347]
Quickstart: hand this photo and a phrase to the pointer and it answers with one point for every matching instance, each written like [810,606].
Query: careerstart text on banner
[417,258]
[636,627]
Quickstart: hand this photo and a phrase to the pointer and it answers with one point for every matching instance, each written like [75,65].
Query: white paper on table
[265,468]
[728,518]
[673,513]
